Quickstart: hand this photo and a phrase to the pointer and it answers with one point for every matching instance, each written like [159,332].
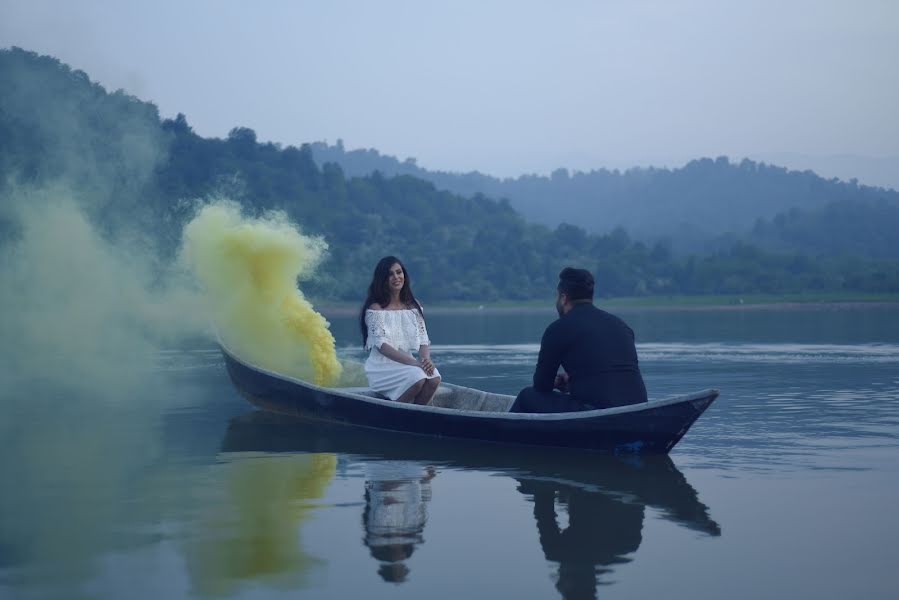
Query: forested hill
[135,173]
[702,200]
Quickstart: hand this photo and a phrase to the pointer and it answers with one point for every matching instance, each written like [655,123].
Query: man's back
[597,351]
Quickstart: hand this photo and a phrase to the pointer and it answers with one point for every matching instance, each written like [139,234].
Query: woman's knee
[412,391]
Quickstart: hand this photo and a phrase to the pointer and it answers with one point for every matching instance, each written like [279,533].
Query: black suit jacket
[597,351]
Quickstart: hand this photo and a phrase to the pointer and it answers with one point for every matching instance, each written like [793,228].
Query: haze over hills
[137,178]
[692,206]
[875,171]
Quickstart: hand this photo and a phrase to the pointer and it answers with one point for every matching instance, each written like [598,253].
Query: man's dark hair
[577,284]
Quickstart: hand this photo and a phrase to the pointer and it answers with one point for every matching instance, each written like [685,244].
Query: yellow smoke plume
[250,268]
[253,534]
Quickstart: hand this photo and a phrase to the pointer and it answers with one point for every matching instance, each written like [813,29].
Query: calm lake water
[160,481]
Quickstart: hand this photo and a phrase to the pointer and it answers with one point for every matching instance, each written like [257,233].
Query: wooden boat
[461,412]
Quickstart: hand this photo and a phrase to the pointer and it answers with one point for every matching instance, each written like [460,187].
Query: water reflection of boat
[605,526]
[604,497]
[460,412]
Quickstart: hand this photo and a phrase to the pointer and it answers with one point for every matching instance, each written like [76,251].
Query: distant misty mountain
[876,171]
[692,206]
[136,176]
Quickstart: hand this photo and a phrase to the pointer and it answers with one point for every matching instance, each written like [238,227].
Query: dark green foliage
[856,228]
[56,125]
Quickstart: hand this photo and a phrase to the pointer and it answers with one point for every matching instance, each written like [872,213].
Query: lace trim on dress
[403,329]
[422,330]
[377,329]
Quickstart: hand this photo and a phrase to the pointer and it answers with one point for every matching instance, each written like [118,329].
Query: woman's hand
[426,365]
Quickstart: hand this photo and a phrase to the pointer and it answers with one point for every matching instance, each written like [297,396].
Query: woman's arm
[424,349]
[397,355]
[424,359]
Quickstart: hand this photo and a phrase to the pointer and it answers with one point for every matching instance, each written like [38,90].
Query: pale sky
[505,87]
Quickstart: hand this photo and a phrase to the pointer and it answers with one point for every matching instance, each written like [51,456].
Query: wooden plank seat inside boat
[452,397]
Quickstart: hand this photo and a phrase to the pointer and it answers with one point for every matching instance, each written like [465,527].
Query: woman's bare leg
[413,391]
[427,391]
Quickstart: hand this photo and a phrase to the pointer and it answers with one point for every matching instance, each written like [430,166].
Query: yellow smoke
[254,533]
[250,269]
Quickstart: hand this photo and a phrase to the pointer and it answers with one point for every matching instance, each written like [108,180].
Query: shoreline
[690,304]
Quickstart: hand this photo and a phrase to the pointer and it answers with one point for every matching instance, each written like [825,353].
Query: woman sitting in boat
[393,326]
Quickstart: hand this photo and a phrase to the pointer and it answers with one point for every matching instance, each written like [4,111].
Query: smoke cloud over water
[91,304]
[79,309]
[90,314]
[83,320]
[250,268]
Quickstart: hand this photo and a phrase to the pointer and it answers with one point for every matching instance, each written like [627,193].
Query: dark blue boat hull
[653,427]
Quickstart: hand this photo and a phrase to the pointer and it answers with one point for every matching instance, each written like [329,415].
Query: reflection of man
[596,350]
[601,531]
[396,493]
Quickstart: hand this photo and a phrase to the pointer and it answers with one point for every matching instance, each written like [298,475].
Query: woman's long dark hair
[379,291]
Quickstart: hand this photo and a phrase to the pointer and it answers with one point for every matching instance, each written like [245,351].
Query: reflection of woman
[396,493]
[393,326]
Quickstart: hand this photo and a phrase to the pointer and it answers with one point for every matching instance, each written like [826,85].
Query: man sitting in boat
[595,350]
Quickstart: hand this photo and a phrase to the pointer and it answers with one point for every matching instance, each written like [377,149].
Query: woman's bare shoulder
[374,306]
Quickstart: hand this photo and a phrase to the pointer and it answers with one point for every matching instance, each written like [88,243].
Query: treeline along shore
[133,170]
[805,302]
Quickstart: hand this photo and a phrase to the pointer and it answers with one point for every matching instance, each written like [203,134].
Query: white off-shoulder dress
[404,330]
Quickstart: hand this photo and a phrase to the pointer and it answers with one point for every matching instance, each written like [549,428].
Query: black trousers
[530,400]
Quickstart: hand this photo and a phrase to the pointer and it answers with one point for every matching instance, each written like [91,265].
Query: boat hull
[653,427]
